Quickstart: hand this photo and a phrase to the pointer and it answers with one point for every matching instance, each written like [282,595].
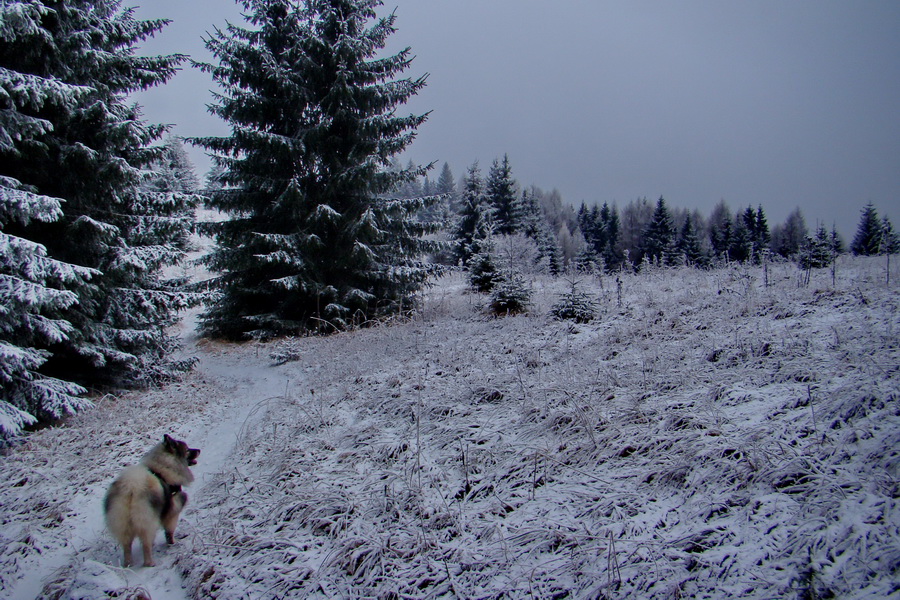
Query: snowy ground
[706,437]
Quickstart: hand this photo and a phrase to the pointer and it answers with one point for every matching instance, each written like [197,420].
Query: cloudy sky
[782,103]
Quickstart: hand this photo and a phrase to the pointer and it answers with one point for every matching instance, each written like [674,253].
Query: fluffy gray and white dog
[148,495]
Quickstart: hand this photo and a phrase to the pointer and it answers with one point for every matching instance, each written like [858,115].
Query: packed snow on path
[707,436]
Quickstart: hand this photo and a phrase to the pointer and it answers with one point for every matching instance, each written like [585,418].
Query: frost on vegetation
[711,438]
[575,305]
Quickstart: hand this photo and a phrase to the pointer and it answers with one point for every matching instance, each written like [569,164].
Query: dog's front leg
[170,519]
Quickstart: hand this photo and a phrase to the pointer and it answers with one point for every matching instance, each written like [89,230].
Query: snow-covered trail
[76,558]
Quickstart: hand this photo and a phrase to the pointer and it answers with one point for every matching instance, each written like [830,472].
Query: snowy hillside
[707,436]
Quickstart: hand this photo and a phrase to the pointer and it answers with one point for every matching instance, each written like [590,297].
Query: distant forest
[610,238]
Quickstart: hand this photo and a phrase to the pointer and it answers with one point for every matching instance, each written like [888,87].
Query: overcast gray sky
[782,103]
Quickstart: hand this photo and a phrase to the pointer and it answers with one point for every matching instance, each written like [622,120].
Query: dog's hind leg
[126,550]
[147,544]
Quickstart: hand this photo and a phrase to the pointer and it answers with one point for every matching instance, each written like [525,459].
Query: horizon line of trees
[605,237]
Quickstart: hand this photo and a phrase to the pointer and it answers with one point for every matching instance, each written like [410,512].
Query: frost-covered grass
[708,438]
[705,436]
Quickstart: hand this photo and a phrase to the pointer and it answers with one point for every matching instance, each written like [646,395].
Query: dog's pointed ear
[168,441]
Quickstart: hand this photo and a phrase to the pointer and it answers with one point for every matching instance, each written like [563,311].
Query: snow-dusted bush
[510,295]
[575,305]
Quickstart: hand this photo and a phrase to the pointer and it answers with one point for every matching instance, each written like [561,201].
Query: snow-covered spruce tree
[33,288]
[172,170]
[443,210]
[475,215]
[535,226]
[575,305]
[172,181]
[87,148]
[500,190]
[510,294]
[446,187]
[659,236]
[312,242]
[817,252]
[609,251]
[483,270]
[689,245]
[788,238]
[890,241]
[867,241]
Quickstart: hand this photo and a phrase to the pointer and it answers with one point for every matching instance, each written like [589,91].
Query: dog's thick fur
[148,495]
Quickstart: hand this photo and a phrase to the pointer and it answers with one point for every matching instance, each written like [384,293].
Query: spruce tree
[170,179]
[535,226]
[721,231]
[312,243]
[446,188]
[867,241]
[659,236]
[172,170]
[475,217]
[761,236]
[67,69]
[689,244]
[837,241]
[609,223]
[34,290]
[890,241]
[500,189]
[589,224]
[818,251]
[741,247]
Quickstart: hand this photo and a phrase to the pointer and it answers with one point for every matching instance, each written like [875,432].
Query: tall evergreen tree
[636,216]
[689,244]
[741,247]
[867,241]
[761,235]
[71,134]
[172,170]
[500,189]
[475,217]
[890,241]
[171,180]
[312,243]
[609,224]
[721,231]
[818,251]
[837,241]
[446,187]
[445,183]
[659,236]
[535,226]
[588,223]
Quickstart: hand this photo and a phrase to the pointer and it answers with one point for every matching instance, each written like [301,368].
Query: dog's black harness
[169,492]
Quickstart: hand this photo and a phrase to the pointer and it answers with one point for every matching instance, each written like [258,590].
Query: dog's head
[181,450]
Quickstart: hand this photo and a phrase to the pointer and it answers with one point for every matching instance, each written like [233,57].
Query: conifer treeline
[642,232]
